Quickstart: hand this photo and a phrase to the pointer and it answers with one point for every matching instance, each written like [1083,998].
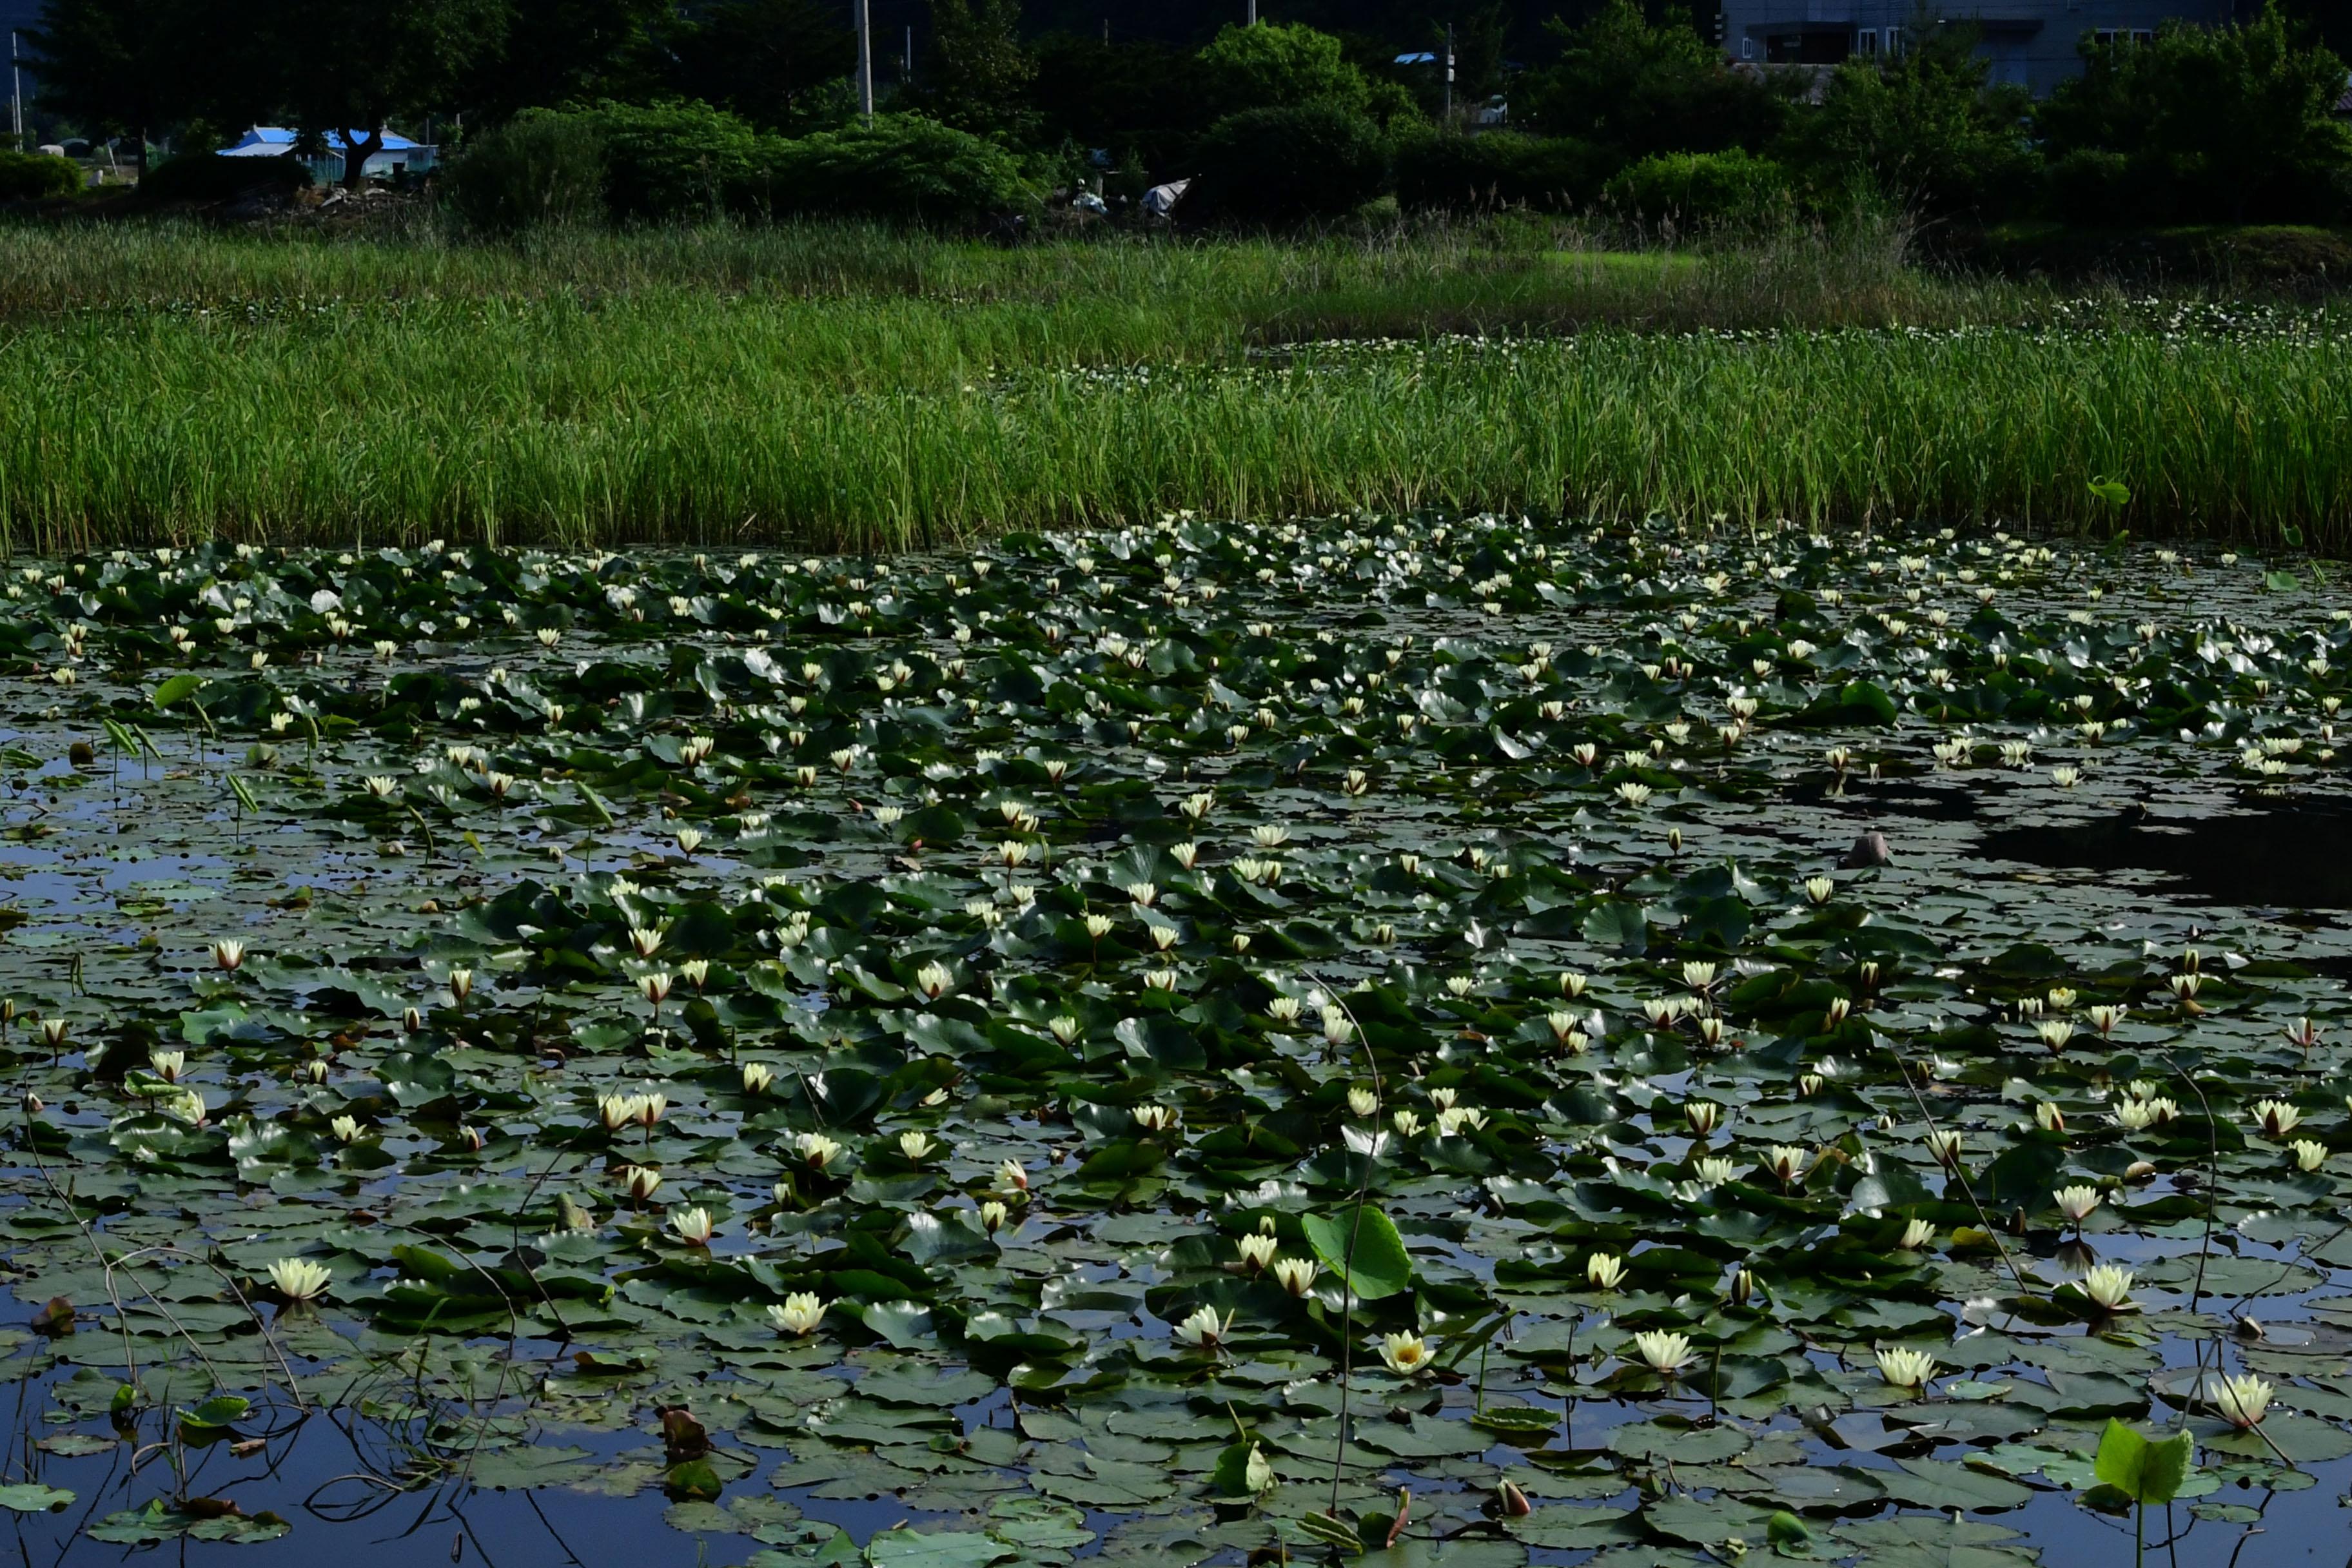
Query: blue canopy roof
[276,141]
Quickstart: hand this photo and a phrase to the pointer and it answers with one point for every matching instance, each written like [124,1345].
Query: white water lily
[2076,1201]
[800,1313]
[2309,1153]
[1917,1233]
[2109,1287]
[992,1214]
[916,1146]
[1156,1118]
[1715,1170]
[2242,1400]
[1203,1330]
[1407,1354]
[299,1279]
[1663,1351]
[816,1149]
[1295,1275]
[758,1077]
[1010,1177]
[168,1065]
[346,1129]
[1903,1367]
[1256,1251]
[1604,1270]
[1362,1102]
[2276,1118]
[229,953]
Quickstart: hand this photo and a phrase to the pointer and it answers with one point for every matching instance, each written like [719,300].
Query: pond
[1408,1039]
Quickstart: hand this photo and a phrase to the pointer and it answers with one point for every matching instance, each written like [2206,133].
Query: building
[2033,44]
[399,154]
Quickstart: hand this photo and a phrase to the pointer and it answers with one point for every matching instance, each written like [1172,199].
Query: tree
[573,51]
[349,66]
[977,76]
[2211,124]
[121,67]
[1274,66]
[762,58]
[1636,87]
[1922,127]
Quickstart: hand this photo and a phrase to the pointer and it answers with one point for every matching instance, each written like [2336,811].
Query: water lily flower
[1664,1351]
[1098,926]
[1203,1330]
[1604,1270]
[2109,1287]
[934,980]
[1257,1251]
[1363,1102]
[916,1145]
[616,1111]
[1917,1233]
[2276,1118]
[380,786]
[1064,1028]
[697,971]
[2048,1117]
[800,1314]
[1904,1368]
[1818,889]
[461,984]
[1715,1170]
[1702,1116]
[816,1149]
[758,1077]
[993,1216]
[1406,1122]
[2055,1032]
[2242,1399]
[229,953]
[346,1129]
[1010,1177]
[1295,1275]
[1406,1354]
[2077,1202]
[656,986]
[2104,1018]
[2309,1153]
[2133,1115]
[1454,1118]
[640,1182]
[168,1065]
[693,1227]
[1156,1118]
[1787,1162]
[299,1278]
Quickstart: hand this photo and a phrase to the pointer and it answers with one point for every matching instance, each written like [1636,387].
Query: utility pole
[1252,13]
[1449,70]
[15,92]
[864,63]
[907,60]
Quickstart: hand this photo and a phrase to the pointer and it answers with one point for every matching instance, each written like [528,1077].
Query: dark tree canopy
[762,59]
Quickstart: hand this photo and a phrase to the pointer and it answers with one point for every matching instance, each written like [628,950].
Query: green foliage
[1277,64]
[539,168]
[977,76]
[2146,1472]
[1634,87]
[902,168]
[1362,1246]
[1282,165]
[672,161]
[1443,171]
[30,177]
[2231,123]
[355,65]
[1703,190]
[1922,128]
[766,61]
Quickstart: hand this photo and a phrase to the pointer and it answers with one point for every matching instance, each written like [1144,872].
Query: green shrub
[29,177]
[1702,190]
[541,167]
[675,160]
[1444,171]
[1927,128]
[1274,165]
[902,168]
[2221,124]
[2095,187]
[209,178]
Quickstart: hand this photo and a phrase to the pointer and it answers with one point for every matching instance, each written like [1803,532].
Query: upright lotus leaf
[2146,1472]
[1360,1245]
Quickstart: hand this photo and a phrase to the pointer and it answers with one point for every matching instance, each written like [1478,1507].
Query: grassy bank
[834,387]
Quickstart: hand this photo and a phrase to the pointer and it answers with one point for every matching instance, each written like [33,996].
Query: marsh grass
[833,386]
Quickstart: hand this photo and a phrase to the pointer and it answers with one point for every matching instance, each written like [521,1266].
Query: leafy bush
[30,177]
[1922,128]
[2093,186]
[674,159]
[2220,124]
[1444,172]
[208,177]
[1273,165]
[1277,64]
[902,167]
[1702,190]
[1636,89]
[541,167]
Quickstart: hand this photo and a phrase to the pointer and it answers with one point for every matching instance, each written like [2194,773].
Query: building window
[1746,48]
[1895,43]
[1866,42]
